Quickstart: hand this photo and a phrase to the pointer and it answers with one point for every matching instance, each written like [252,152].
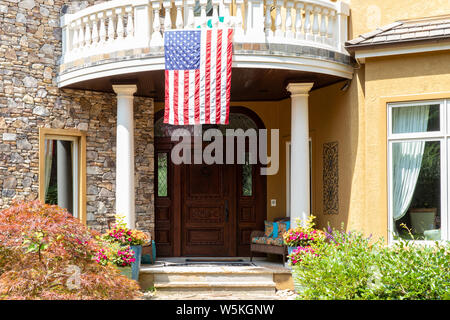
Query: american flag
[198,76]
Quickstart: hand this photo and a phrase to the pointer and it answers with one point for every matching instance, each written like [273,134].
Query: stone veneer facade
[30,46]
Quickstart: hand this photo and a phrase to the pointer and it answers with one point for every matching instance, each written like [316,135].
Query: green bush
[350,266]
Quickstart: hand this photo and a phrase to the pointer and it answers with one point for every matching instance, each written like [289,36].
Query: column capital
[124,89]
[299,89]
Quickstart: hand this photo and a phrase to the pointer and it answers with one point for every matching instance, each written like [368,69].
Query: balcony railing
[132,24]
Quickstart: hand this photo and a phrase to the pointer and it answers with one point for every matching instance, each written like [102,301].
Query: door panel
[206,211]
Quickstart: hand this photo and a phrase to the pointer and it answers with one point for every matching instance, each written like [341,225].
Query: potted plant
[122,257]
[302,236]
[120,234]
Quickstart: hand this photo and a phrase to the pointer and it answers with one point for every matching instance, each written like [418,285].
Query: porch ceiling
[247,84]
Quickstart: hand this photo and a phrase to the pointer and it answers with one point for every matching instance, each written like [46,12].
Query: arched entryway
[207,210]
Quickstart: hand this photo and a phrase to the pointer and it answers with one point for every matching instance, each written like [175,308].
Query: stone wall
[30,45]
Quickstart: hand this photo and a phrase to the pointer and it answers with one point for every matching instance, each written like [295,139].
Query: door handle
[226,211]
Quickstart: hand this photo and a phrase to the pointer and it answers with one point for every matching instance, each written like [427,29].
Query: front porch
[217,278]
[282,51]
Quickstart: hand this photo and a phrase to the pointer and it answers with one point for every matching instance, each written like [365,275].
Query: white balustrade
[132,24]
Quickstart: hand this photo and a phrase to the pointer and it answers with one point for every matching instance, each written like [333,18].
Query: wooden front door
[208,210]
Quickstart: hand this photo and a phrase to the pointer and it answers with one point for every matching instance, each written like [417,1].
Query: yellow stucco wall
[367,15]
[357,118]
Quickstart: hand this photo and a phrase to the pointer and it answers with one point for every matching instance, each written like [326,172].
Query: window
[247,177]
[62,167]
[418,147]
[162,175]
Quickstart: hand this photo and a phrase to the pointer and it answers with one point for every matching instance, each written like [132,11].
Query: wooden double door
[207,210]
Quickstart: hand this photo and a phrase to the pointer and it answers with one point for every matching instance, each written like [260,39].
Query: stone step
[213,277]
[260,288]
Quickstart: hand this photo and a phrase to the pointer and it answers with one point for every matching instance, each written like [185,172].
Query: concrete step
[260,288]
[213,277]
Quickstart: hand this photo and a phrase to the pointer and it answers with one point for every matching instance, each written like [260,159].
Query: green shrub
[45,253]
[350,266]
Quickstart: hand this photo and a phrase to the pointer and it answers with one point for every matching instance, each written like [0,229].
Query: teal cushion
[279,228]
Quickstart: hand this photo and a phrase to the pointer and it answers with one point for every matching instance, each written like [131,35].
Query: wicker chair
[267,248]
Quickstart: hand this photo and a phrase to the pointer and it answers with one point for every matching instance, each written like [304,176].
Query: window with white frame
[418,149]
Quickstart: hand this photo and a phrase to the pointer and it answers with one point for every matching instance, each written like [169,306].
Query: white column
[300,193]
[64,175]
[125,190]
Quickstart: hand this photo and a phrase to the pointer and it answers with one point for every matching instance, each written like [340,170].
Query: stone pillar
[300,190]
[125,190]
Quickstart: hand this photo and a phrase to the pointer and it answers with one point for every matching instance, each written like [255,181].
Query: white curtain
[48,163]
[407,156]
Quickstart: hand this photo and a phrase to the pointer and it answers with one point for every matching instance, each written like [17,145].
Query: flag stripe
[167,98]
[208,76]
[218,74]
[213,70]
[186,97]
[175,97]
[197,97]
[202,76]
[229,68]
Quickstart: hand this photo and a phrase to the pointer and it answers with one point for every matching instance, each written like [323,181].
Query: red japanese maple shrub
[45,253]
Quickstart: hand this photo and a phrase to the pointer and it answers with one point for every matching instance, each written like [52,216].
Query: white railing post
[167,4]
[278,22]
[120,27]
[268,19]
[95,36]
[307,26]
[157,39]
[343,12]
[142,24]
[130,23]
[331,28]
[254,21]
[288,27]
[203,18]
[323,25]
[315,26]
[299,35]
[189,20]
[228,19]
[102,31]
[66,41]
[215,15]
[239,31]
[179,24]
[111,27]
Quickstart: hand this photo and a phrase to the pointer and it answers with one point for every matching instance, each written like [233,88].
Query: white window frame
[443,135]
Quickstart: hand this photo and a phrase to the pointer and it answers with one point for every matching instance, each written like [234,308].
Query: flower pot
[136,265]
[126,271]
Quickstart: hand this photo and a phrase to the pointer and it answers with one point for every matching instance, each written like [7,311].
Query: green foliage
[52,194]
[45,253]
[350,266]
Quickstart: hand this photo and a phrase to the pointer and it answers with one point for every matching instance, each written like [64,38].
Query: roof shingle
[424,29]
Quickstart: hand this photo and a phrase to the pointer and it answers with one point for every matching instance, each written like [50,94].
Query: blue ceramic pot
[126,271]
[136,265]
